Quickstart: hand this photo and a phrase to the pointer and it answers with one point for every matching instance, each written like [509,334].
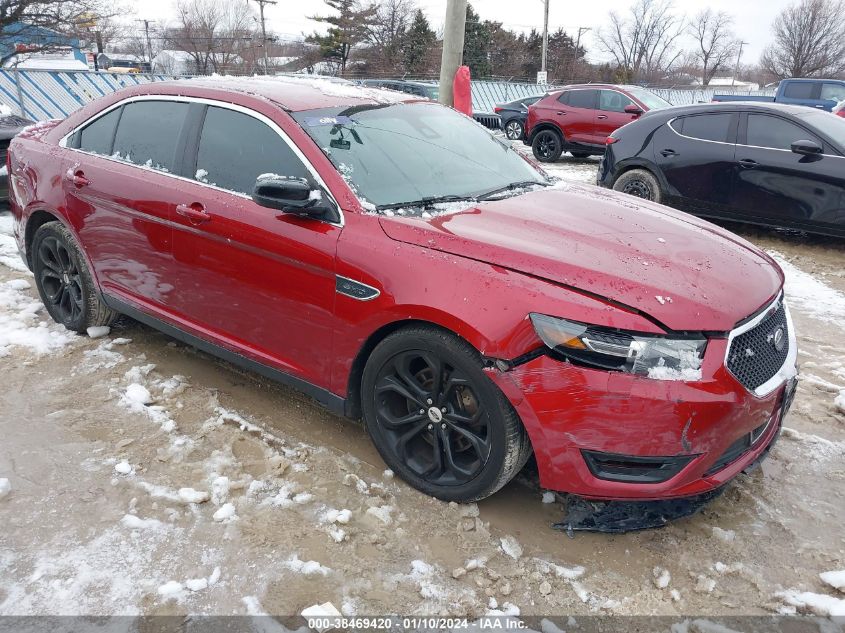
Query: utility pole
[581,29]
[261,4]
[545,36]
[149,43]
[453,48]
[738,57]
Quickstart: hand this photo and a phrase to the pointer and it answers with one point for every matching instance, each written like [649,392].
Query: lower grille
[738,449]
[633,468]
[758,354]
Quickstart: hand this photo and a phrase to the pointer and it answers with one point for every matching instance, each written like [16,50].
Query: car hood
[684,272]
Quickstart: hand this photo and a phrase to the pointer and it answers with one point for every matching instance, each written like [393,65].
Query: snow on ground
[810,295]
[9,255]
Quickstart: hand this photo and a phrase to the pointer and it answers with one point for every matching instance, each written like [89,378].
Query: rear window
[97,137]
[705,127]
[800,89]
[148,133]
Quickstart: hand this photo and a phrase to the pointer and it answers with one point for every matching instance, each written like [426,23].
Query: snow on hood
[685,272]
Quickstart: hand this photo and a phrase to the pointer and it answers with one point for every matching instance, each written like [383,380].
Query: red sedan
[579,118]
[399,263]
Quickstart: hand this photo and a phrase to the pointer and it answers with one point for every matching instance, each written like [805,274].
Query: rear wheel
[513,130]
[437,420]
[547,146]
[639,183]
[64,281]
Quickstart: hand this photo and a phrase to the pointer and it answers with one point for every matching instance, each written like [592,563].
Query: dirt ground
[147,477]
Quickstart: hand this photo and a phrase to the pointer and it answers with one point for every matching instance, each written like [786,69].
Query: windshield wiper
[514,185]
[426,202]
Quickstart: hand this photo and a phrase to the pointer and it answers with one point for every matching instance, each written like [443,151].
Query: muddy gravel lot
[146,477]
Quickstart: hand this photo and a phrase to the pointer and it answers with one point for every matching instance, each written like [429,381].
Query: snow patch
[811,296]
[511,546]
[307,568]
[835,579]
[5,487]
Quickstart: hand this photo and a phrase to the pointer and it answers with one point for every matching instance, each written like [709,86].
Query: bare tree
[643,43]
[809,40]
[40,25]
[216,34]
[715,44]
[385,35]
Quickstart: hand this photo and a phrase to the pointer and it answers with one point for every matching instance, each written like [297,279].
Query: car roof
[291,93]
[729,106]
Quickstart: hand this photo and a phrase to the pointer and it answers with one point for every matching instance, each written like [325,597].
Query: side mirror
[807,148]
[292,195]
[634,109]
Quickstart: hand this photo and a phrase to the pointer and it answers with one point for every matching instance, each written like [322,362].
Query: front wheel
[547,146]
[437,420]
[639,183]
[64,281]
[513,130]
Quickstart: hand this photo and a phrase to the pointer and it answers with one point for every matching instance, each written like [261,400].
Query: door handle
[77,178]
[561,113]
[667,153]
[195,212]
[601,116]
[748,163]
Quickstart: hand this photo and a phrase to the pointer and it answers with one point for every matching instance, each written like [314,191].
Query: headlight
[659,357]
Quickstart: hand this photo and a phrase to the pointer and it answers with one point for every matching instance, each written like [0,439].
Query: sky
[753,18]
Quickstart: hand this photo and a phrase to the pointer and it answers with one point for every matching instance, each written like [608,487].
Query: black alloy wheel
[547,146]
[432,418]
[59,277]
[436,419]
[64,281]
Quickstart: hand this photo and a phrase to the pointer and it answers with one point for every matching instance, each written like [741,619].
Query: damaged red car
[397,262]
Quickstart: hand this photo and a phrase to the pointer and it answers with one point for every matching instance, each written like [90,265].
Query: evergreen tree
[477,39]
[347,29]
[420,40]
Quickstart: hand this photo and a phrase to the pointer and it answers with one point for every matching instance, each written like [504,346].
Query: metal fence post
[20,92]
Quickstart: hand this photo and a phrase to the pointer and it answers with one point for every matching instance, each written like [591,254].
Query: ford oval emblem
[779,339]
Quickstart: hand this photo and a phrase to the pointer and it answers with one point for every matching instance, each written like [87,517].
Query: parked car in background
[383,254]
[823,94]
[514,114]
[417,88]
[767,164]
[10,126]
[839,109]
[579,118]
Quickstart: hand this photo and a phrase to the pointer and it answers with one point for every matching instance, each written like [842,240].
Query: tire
[64,281]
[547,146]
[465,453]
[641,184]
[514,130]
[580,154]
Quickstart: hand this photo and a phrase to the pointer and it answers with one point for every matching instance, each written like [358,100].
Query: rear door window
[148,133]
[833,92]
[582,99]
[801,90]
[97,137]
[235,148]
[775,133]
[564,98]
[705,127]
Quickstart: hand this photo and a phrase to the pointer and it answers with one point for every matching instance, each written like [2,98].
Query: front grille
[754,356]
[492,121]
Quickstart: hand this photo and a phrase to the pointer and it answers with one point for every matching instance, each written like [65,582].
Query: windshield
[648,98]
[828,124]
[414,153]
